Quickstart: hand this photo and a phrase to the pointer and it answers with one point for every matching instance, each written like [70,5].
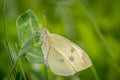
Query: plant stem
[13,67]
[46,72]
[22,69]
[95,73]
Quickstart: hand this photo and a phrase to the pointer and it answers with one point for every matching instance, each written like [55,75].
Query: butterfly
[63,56]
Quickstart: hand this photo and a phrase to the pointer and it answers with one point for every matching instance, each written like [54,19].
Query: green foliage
[36,56]
[27,28]
[91,24]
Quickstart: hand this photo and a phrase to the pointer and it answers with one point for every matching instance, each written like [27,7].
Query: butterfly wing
[63,56]
[59,64]
[75,59]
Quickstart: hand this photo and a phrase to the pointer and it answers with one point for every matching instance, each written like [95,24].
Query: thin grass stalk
[6,40]
[21,67]
[102,38]
[95,73]
[13,67]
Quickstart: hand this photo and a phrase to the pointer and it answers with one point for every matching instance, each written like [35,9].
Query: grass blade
[6,40]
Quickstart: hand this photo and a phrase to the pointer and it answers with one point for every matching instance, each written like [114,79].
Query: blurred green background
[94,25]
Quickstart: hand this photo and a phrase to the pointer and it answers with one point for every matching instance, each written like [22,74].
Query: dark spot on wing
[71,58]
[72,49]
[61,60]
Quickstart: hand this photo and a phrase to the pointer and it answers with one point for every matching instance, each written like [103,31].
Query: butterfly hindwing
[59,64]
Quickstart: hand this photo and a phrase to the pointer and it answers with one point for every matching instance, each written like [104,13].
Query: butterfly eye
[71,58]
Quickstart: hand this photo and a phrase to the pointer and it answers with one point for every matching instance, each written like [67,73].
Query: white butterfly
[63,56]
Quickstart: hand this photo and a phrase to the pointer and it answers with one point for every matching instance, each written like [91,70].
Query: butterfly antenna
[45,24]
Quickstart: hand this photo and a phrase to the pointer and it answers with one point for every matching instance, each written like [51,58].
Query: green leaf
[28,36]
[27,25]
[27,47]
[35,56]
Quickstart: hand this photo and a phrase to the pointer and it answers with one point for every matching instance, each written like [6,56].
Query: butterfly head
[44,34]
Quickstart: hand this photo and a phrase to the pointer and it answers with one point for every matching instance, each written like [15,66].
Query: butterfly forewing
[73,53]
